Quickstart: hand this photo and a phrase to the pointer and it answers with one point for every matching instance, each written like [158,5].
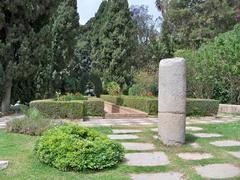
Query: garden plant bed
[23,164]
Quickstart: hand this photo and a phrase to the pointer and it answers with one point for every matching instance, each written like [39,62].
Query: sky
[88,8]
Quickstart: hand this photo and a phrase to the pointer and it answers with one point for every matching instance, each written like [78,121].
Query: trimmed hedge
[202,107]
[69,109]
[194,107]
[71,147]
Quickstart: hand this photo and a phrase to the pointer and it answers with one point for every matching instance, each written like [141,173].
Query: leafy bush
[93,107]
[113,88]
[33,123]
[59,109]
[71,97]
[204,107]
[135,90]
[72,147]
[69,109]
[213,70]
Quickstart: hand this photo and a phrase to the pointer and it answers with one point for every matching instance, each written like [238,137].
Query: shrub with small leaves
[71,147]
[113,88]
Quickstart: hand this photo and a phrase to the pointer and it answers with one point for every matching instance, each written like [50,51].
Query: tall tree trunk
[7,88]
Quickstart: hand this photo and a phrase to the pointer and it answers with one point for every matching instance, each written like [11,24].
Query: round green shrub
[113,88]
[71,147]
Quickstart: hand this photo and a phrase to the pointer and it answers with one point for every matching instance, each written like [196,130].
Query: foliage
[188,24]
[71,97]
[213,70]
[194,107]
[75,109]
[113,88]
[59,109]
[36,40]
[72,147]
[202,107]
[135,90]
[33,123]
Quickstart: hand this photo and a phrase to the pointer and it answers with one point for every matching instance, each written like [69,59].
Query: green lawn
[18,150]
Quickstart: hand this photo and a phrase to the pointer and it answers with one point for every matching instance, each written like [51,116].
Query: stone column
[172,101]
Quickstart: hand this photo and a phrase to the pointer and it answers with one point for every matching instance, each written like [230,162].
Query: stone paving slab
[226,143]
[147,159]
[218,171]
[207,135]
[125,131]
[122,136]
[157,176]
[194,156]
[193,128]
[195,145]
[138,146]
[3,165]
[235,154]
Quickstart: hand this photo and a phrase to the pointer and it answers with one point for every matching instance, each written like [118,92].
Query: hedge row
[69,109]
[203,107]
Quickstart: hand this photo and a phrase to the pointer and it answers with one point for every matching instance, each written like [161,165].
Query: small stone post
[172,101]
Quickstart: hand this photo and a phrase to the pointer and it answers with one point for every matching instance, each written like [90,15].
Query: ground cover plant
[71,147]
[33,123]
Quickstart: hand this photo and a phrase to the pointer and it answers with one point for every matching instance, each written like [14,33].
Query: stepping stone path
[3,165]
[122,137]
[138,146]
[218,171]
[235,154]
[125,131]
[157,176]
[147,159]
[226,143]
[192,128]
[207,135]
[194,156]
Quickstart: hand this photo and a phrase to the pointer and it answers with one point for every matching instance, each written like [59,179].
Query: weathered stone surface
[207,135]
[125,131]
[194,156]
[3,165]
[193,128]
[157,176]
[172,86]
[218,171]
[235,154]
[147,159]
[195,145]
[226,143]
[172,101]
[154,129]
[172,128]
[138,146]
[123,136]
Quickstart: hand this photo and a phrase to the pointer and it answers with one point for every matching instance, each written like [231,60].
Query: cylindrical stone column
[172,101]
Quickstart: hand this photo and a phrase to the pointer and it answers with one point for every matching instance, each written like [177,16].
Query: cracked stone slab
[218,171]
[207,135]
[138,146]
[193,128]
[226,143]
[235,154]
[147,159]
[122,136]
[125,131]
[3,165]
[157,176]
[194,156]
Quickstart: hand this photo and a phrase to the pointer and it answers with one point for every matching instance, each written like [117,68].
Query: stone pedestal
[172,101]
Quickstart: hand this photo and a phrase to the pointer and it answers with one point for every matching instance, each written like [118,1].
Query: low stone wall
[228,108]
